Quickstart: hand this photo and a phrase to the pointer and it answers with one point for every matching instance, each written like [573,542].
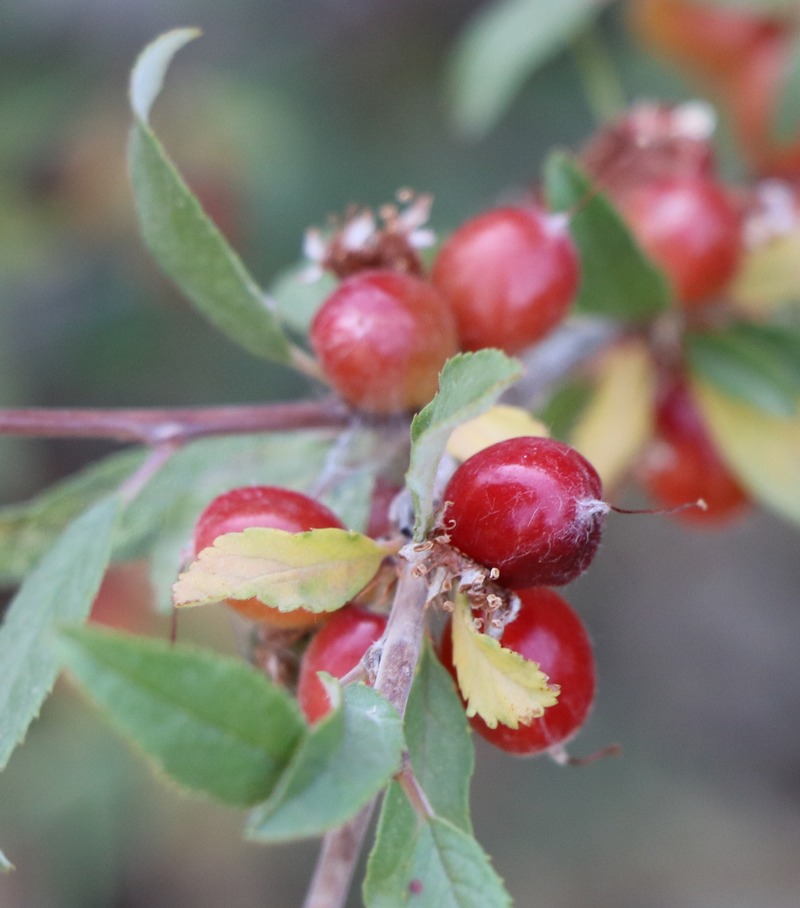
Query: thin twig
[399,656]
[158,426]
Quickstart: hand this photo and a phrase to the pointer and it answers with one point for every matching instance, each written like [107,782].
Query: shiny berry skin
[510,275]
[337,649]
[707,39]
[272,508]
[546,630]
[382,338]
[692,229]
[682,464]
[530,507]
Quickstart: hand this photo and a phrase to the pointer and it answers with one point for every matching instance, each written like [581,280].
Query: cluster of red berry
[742,56]
[551,515]
[504,279]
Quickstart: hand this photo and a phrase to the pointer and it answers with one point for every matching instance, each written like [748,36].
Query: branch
[175,425]
[399,656]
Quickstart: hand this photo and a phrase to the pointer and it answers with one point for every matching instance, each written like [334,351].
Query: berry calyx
[273,508]
[510,275]
[682,464]
[336,649]
[691,227]
[381,338]
[530,507]
[546,630]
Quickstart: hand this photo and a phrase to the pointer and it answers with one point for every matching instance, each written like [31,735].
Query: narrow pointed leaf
[498,684]
[469,384]
[5,865]
[59,590]
[617,279]
[439,741]
[319,570]
[443,866]
[501,47]
[762,449]
[211,723]
[342,763]
[185,242]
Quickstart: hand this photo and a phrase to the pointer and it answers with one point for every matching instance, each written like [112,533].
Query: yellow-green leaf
[319,570]
[498,684]
[618,420]
[769,276]
[762,449]
[498,424]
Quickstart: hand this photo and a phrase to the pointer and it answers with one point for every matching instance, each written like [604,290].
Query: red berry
[272,508]
[709,39]
[382,337]
[691,228]
[752,95]
[510,275]
[683,464]
[336,649]
[546,630]
[530,507]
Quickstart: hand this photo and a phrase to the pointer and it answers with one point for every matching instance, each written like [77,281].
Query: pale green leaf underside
[470,383]
[5,865]
[185,242]
[501,47]
[211,723]
[319,570]
[59,590]
[344,761]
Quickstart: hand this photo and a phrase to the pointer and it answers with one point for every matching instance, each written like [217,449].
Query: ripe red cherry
[546,630]
[381,338]
[683,464]
[336,649]
[272,508]
[510,275]
[530,507]
[691,228]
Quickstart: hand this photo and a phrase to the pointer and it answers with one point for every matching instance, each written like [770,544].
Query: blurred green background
[281,114]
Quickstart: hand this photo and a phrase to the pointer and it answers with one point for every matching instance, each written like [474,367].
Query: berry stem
[160,426]
[602,86]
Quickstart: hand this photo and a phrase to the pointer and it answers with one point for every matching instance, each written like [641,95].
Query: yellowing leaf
[617,422]
[769,276]
[319,570]
[762,449]
[498,684]
[498,424]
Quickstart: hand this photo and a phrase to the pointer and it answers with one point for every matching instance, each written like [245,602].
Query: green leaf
[469,384]
[5,865]
[60,589]
[185,242]
[501,47]
[763,450]
[319,570]
[445,865]
[758,364]
[439,741]
[211,723]
[617,279]
[786,118]
[343,762]
[27,530]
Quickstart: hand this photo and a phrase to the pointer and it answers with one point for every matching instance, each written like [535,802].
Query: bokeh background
[282,113]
